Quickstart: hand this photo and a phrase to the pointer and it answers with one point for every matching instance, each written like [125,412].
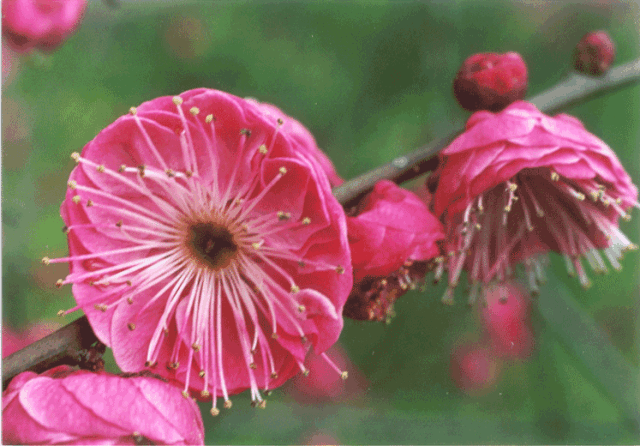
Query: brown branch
[70,344]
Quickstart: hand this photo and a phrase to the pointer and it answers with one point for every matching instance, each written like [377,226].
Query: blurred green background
[371,80]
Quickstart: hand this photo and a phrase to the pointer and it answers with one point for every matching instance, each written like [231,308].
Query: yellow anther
[174,365]
[122,168]
[214,411]
[262,404]
[205,394]
[282,170]
[306,221]
[131,326]
[283,215]
[89,203]
[100,168]
[301,308]
[208,119]
[594,195]
[626,217]
[339,269]
[194,111]
[274,335]
[133,110]
[344,375]
[263,149]
[280,121]
[305,372]
[46,260]
[188,174]
[185,394]
[618,201]
[253,366]
[72,184]
[507,208]
[228,404]
[580,196]
[76,157]
[195,347]
[555,176]
[177,100]
[295,288]
[60,313]
[100,307]
[513,187]
[256,245]
[76,199]
[478,226]
[170,173]
[201,373]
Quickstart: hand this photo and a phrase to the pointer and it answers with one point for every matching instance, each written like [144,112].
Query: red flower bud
[473,369]
[490,81]
[594,53]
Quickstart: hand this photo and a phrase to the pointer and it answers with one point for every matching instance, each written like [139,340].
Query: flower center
[213,244]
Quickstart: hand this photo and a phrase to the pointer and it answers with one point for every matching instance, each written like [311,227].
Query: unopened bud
[490,81]
[594,53]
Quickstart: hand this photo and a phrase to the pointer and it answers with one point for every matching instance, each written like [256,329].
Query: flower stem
[73,343]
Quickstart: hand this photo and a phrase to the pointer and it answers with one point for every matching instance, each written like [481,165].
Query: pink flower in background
[205,244]
[43,24]
[519,183]
[594,54]
[505,318]
[305,139]
[13,340]
[474,369]
[392,231]
[66,406]
[490,81]
[320,384]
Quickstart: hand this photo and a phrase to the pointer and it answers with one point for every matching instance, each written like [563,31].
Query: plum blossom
[43,24]
[392,236]
[205,244]
[67,406]
[519,183]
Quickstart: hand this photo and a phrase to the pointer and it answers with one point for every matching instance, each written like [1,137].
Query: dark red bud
[594,54]
[490,81]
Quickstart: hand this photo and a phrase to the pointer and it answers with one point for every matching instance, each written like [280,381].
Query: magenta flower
[490,81]
[304,138]
[392,231]
[519,183]
[43,24]
[505,318]
[63,406]
[205,240]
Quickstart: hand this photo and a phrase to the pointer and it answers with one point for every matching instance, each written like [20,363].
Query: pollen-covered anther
[76,199]
[205,393]
[133,110]
[131,326]
[295,289]
[195,347]
[188,173]
[306,221]
[46,260]
[274,335]
[76,157]
[201,373]
[280,121]
[61,313]
[150,364]
[282,170]
[170,173]
[185,394]
[119,223]
[89,203]
[227,404]
[194,111]
[283,215]
[344,375]
[305,372]
[262,404]
[59,283]
[339,269]
[274,375]
[122,168]
[214,411]
[100,168]
[301,308]
[555,176]
[253,366]
[208,119]
[177,100]
[100,307]
[72,184]
[141,169]
[173,365]
[263,149]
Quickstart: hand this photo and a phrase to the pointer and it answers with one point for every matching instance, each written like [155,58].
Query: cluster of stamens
[540,211]
[206,249]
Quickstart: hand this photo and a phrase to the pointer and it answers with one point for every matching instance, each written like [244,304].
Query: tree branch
[70,343]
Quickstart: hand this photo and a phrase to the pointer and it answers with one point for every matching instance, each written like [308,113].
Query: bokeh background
[371,80]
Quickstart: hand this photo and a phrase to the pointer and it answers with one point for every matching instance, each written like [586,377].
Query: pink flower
[393,229]
[303,136]
[594,54]
[12,340]
[505,318]
[205,239]
[519,183]
[44,24]
[473,368]
[63,406]
[321,384]
[490,81]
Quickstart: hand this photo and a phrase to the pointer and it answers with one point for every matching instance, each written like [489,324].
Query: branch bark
[69,344]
